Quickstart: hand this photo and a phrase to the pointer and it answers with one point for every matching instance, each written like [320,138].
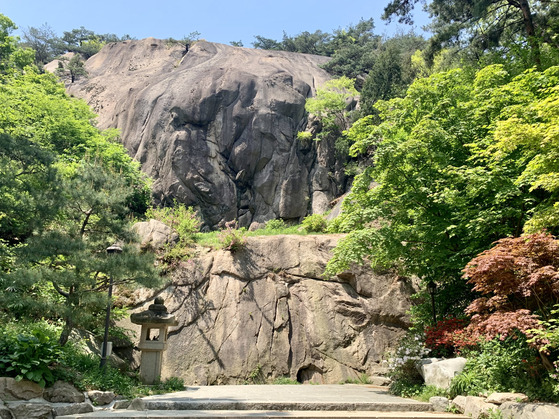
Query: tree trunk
[68,327]
[533,41]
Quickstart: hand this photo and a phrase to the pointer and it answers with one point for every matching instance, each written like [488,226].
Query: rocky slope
[215,126]
[266,312]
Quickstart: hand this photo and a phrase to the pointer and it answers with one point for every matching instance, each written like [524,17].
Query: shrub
[506,365]
[315,223]
[406,380]
[448,337]
[232,239]
[277,224]
[516,277]
[29,352]
[182,219]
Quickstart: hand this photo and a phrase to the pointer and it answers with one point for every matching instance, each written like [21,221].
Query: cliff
[266,312]
[215,126]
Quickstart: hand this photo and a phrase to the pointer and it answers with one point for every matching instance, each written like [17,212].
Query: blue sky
[216,20]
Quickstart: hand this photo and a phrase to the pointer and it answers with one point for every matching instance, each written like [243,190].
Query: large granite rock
[10,389]
[63,392]
[216,126]
[513,410]
[266,312]
[440,372]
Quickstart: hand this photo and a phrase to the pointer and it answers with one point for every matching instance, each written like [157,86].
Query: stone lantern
[153,338]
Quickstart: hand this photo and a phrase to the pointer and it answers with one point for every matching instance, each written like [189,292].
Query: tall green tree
[486,24]
[66,192]
[442,186]
[64,272]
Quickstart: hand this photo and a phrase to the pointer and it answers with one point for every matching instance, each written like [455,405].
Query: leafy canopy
[442,185]
[66,192]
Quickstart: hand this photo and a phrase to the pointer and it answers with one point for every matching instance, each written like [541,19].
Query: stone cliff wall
[265,312]
[215,127]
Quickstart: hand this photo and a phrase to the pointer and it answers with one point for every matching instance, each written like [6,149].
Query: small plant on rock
[315,223]
[232,239]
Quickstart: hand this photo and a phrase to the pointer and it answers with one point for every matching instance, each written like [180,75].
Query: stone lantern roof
[155,314]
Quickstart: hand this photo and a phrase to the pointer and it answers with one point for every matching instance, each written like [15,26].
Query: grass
[211,239]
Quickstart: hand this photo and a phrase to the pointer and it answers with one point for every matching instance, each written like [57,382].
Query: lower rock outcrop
[266,312]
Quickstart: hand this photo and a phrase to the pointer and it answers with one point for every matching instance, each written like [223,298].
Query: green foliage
[517,32]
[184,220]
[440,189]
[277,224]
[65,195]
[406,380]
[72,68]
[12,58]
[506,365]
[315,223]
[232,239]
[392,71]
[285,381]
[330,106]
[29,352]
[256,376]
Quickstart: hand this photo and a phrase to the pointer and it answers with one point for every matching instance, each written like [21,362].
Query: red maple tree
[518,279]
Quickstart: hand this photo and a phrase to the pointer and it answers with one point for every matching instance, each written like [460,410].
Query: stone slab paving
[348,397]
[302,401]
[252,414]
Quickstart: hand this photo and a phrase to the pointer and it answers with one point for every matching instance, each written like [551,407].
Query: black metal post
[110,250]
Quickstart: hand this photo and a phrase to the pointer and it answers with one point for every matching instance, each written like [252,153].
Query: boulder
[62,409]
[266,311]
[475,407]
[62,392]
[514,410]
[439,373]
[440,404]
[5,413]
[500,398]
[10,389]
[31,409]
[216,126]
[154,234]
[101,398]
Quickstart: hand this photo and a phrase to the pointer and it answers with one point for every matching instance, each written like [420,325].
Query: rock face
[266,312]
[215,126]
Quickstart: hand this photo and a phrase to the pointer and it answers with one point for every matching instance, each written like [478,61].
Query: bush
[29,352]
[182,219]
[506,365]
[277,224]
[232,239]
[447,337]
[406,380]
[315,223]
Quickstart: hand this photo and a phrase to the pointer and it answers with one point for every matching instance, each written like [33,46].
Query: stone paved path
[304,401]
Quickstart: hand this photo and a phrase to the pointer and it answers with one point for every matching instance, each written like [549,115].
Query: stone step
[403,405]
[239,414]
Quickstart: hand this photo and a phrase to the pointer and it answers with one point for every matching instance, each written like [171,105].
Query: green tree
[486,24]
[392,71]
[12,57]
[66,190]
[64,271]
[438,191]
[45,43]
[73,69]
[330,105]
